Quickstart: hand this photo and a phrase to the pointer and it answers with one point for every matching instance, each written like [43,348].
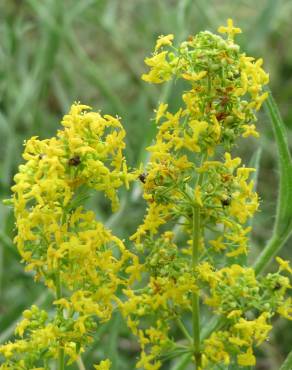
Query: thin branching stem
[184,330]
[195,297]
[61,355]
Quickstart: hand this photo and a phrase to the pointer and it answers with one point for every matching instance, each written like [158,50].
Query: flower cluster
[163,298]
[192,246]
[41,337]
[199,201]
[247,303]
[226,87]
[219,106]
[62,242]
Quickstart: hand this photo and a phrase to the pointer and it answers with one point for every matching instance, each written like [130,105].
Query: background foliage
[54,52]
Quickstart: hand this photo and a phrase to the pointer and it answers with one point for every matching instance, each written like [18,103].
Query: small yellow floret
[164,41]
[284,265]
[229,29]
[246,359]
[250,130]
[103,365]
[194,76]
[160,111]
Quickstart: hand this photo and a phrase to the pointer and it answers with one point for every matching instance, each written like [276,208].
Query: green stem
[61,359]
[209,83]
[58,287]
[213,324]
[61,354]
[80,363]
[184,330]
[195,298]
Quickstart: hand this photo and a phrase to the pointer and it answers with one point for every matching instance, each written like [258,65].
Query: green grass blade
[182,364]
[284,210]
[283,222]
[287,365]
[255,163]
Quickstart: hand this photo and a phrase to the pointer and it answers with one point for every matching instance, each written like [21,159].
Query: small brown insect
[221,116]
[224,100]
[226,202]
[142,177]
[277,286]
[156,287]
[74,161]
[226,177]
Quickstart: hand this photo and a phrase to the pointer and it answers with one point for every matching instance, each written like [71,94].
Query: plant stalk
[61,354]
[195,297]
[80,363]
[61,359]
[184,330]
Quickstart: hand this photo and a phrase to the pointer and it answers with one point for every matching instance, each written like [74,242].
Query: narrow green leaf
[287,365]
[284,210]
[255,163]
[182,364]
[283,222]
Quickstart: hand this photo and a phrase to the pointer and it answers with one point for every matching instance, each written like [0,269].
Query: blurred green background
[55,52]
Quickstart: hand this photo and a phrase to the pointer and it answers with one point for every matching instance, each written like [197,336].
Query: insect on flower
[74,161]
[142,177]
[226,201]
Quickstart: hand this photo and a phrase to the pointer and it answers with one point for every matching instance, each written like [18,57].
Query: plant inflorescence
[187,263]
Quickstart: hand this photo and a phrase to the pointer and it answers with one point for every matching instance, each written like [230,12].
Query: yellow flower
[250,130]
[206,272]
[146,363]
[198,195]
[257,329]
[229,29]
[217,244]
[193,76]
[215,348]
[246,359]
[103,365]
[191,142]
[160,70]
[160,111]
[284,265]
[231,163]
[156,216]
[164,41]
[216,127]
[238,341]
[260,99]
[20,329]
[285,309]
